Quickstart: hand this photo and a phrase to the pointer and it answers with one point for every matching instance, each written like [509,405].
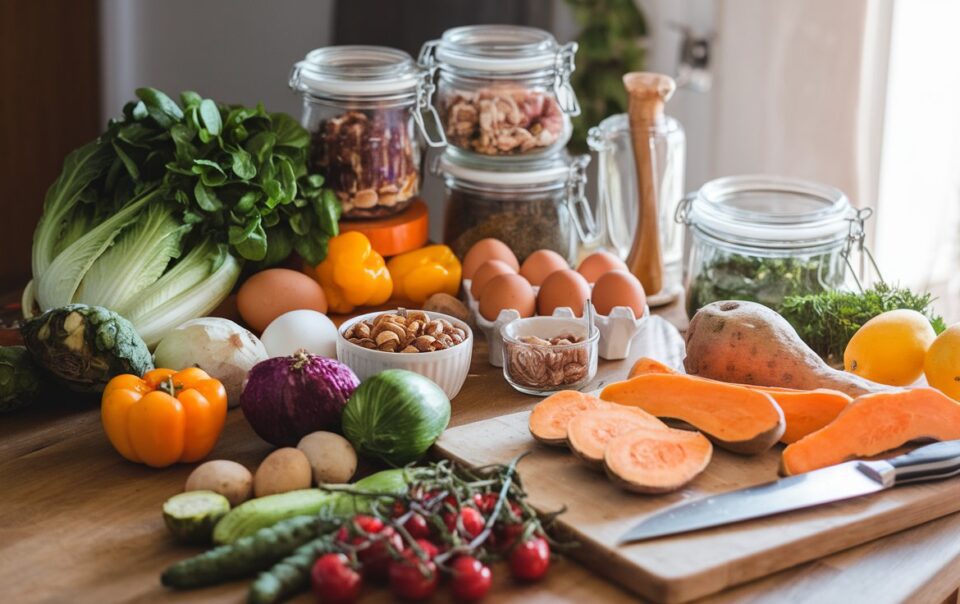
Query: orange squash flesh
[549,418]
[874,423]
[806,411]
[656,460]
[646,365]
[735,417]
[589,431]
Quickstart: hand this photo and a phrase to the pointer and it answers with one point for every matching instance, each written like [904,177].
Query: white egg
[307,329]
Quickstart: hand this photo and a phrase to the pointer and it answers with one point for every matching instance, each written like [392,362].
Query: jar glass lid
[549,172]
[356,71]
[771,209]
[497,48]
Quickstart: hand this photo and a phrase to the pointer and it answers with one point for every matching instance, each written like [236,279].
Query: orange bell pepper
[419,274]
[353,274]
[164,417]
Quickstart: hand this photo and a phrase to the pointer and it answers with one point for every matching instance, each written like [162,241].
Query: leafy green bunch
[237,171]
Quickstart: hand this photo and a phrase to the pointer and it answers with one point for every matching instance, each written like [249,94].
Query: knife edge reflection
[835,483]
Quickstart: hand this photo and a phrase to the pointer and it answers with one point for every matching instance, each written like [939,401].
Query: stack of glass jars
[504,102]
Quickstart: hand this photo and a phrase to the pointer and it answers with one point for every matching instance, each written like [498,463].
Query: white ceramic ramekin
[448,368]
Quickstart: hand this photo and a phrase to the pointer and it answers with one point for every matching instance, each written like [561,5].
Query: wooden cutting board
[684,567]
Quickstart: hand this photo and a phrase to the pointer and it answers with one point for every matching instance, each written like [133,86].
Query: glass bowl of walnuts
[542,355]
[432,344]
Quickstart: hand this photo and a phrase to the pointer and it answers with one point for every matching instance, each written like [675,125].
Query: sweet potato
[806,411]
[549,418]
[735,417]
[748,343]
[589,431]
[875,423]
[656,460]
[646,365]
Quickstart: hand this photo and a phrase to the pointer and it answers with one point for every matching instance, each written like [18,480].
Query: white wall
[237,51]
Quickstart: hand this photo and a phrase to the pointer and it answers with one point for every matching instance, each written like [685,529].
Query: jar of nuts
[546,354]
[361,105]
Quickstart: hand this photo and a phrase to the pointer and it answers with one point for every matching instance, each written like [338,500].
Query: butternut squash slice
[735,417]
[549,419]
[806,411]
[874,423]
[646,365]
[656,460]
[589,431]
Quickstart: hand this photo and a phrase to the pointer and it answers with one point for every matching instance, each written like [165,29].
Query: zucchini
[191,516]
[251,516]
[244,557]
[290,576]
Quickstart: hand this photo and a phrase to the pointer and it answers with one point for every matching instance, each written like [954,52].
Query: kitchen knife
[834,483]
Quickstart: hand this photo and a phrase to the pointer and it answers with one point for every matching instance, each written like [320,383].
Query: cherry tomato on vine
[485,502]
[531,559]
[412,581]
[417,526]
[471,579]
[472,522]
[507,535]
[376,558]
[334,582]
[429,548]
[361,522]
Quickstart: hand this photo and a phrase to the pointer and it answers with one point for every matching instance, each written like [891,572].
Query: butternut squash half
[646,365]
[874,423]
[549,418]
[656,460]
[589,431]
[735,417]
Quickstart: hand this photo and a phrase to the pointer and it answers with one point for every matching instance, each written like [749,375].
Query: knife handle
[932,462]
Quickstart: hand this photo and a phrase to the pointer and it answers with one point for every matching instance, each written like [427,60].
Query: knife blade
[835,483]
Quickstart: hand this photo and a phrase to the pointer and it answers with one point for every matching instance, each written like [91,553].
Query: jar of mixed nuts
[529,205]
[503,90]
[360,105]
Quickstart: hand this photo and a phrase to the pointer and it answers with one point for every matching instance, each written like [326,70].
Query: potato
[330,455]
[285,469]
[222,476]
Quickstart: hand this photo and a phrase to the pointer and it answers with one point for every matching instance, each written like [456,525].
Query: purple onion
[286,398]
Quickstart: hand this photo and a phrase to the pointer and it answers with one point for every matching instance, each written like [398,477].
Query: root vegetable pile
[450,522]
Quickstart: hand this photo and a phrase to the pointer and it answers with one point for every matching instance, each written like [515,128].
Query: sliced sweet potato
[646,365]
[806,411]
[589,431]
[874,423]
[656,460]
[735,417]
[549,419]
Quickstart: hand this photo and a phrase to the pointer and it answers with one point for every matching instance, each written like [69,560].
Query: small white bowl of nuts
[432,344]
[546,354]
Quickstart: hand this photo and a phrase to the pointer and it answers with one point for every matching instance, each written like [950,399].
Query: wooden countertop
[80,524]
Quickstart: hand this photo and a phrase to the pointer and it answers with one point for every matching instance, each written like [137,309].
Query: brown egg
[268,294]
[563,288]
[598,263]
[619,288]
[488,270]
[507,291]
[487,249]
[540,264]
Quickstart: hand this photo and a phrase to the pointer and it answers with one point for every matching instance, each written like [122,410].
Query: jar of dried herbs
[503,90]
[763,238]
[362,106]
[529,205]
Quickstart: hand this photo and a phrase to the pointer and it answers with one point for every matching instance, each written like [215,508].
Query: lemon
[942,363]
[890,348]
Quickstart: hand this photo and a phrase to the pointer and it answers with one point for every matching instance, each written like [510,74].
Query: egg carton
[617,330]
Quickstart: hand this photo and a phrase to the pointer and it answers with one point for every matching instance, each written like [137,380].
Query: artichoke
[20,378]
[85,346]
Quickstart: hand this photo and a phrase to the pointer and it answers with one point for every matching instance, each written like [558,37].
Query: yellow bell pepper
[353,274]
[419,274]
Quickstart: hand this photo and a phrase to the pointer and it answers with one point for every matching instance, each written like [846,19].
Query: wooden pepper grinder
[648,93]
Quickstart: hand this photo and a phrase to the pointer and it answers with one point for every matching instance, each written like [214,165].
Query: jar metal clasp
[424,104]
[856,237]
[564,66]
[577,203]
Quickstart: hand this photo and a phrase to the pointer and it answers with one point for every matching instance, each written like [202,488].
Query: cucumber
[251,516]
[191,516]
